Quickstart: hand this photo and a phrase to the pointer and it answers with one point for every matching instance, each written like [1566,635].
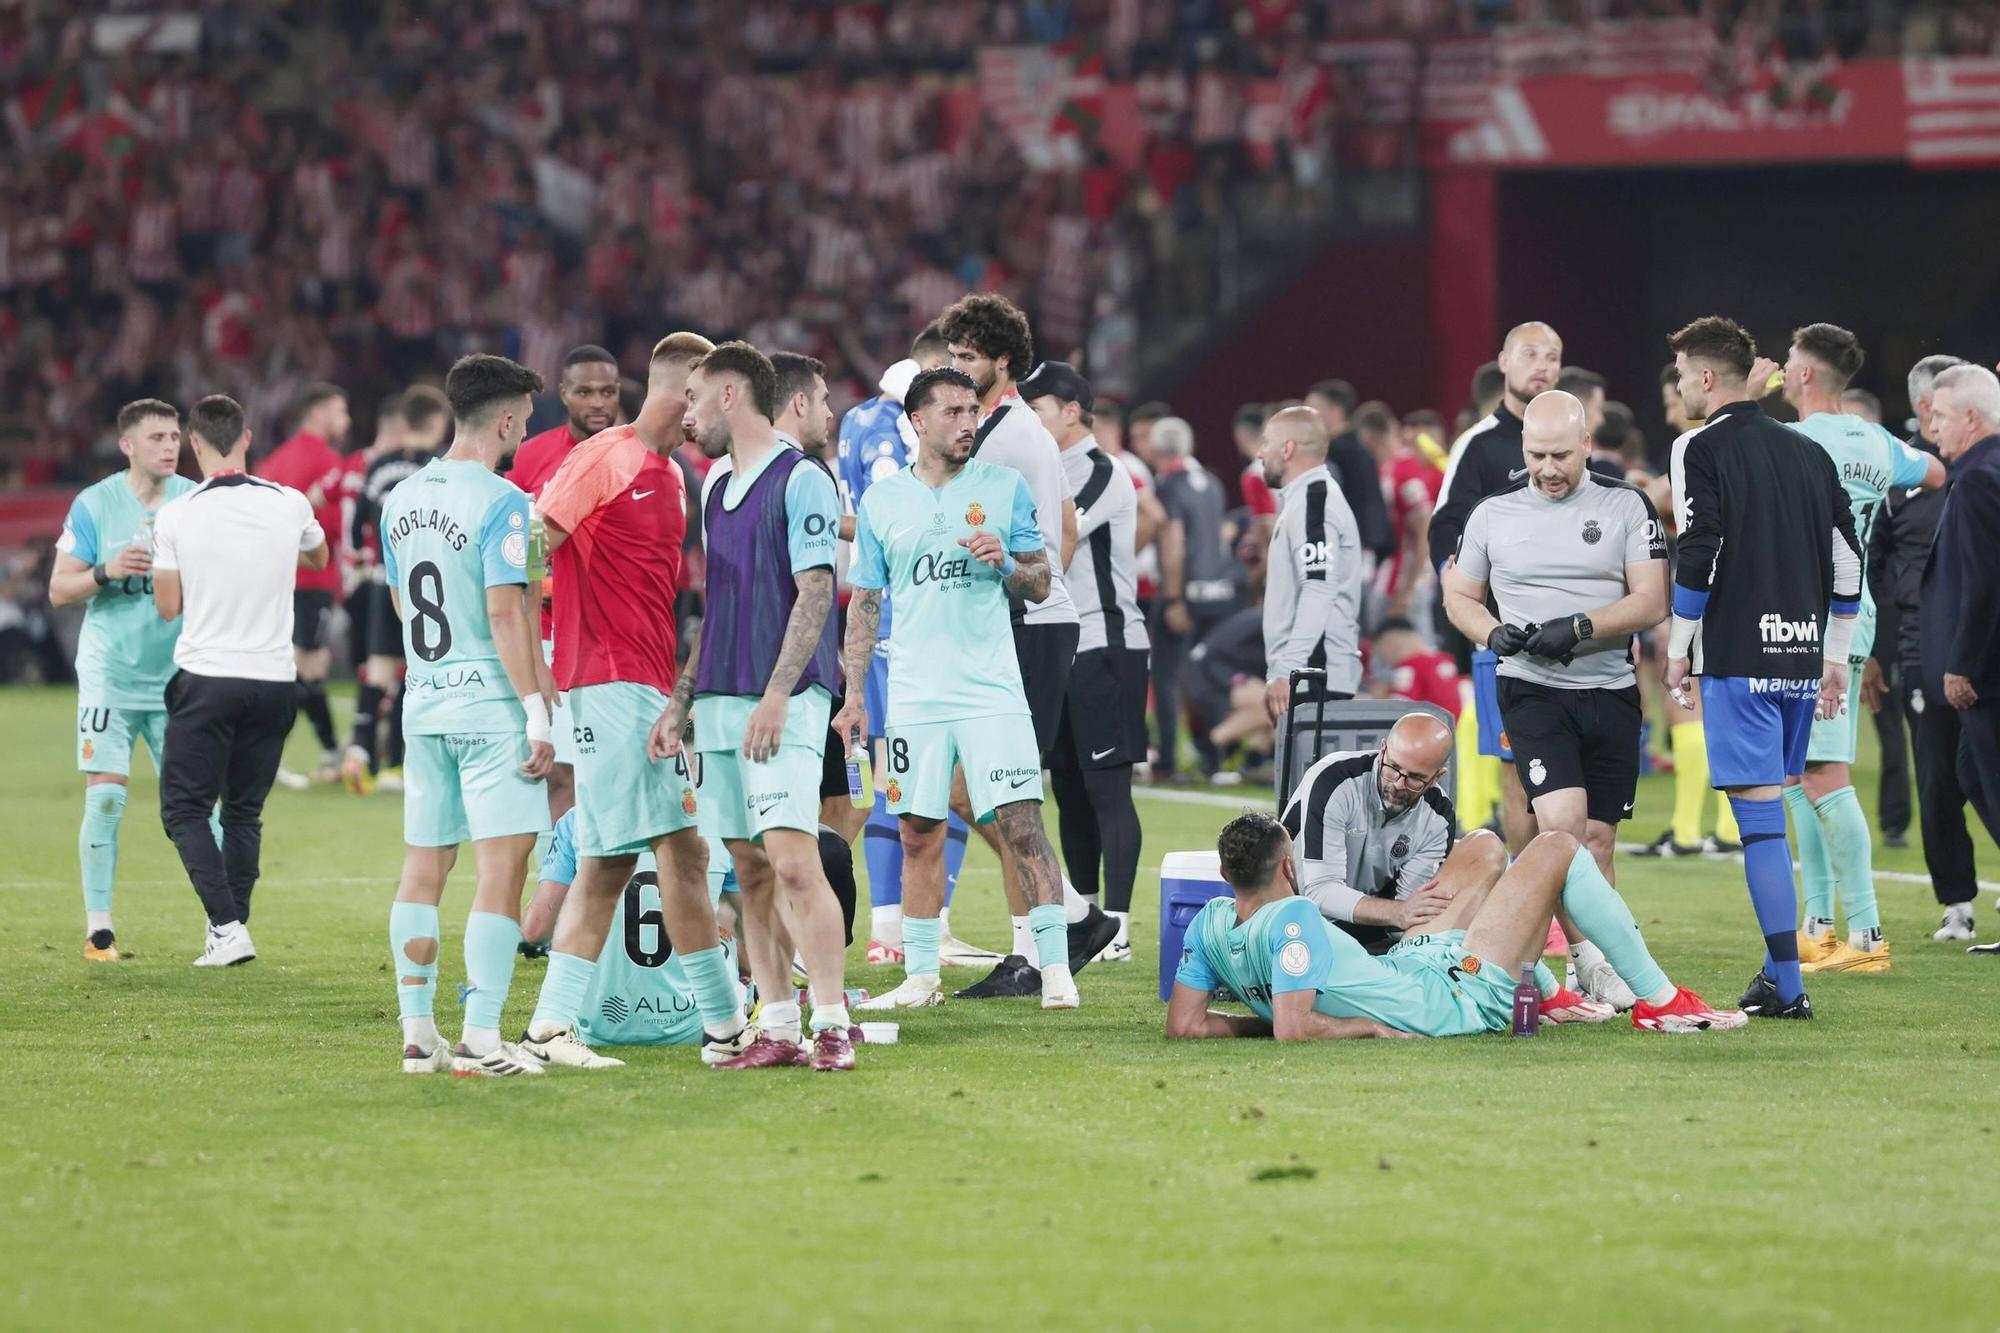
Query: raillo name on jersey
[429,520]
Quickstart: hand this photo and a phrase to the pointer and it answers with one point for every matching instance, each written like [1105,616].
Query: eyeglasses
[1402,777]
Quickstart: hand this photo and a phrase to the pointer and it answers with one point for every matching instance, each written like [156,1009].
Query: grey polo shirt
[1312,584]
[1545,559]
[1346,843]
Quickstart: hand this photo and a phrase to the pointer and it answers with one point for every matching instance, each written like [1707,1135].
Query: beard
[715,441]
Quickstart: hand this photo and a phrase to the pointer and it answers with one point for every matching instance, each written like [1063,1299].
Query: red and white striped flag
[1636,48]
[1954,110]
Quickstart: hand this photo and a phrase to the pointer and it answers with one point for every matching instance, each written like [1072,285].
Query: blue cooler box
[1187,881]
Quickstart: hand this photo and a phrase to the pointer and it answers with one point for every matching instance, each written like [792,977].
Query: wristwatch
[97,572]
[1581,624]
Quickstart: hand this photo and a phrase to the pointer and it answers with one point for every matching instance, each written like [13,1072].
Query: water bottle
[142,539]
[860,772]
[1527,1003]
[538,545]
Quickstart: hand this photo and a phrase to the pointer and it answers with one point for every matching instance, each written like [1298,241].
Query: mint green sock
[97,843]
[920,946]
[1051,931]
[407,922]
[215,824]
[1604,918]
[1815,866]
[1853,855]
[491,945]
[716,994]
[1546,984]
[563,988]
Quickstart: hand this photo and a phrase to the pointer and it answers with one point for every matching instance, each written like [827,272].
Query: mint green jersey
[448,534]
[1871,463]
[953,651]
[1287,946]
[125,652]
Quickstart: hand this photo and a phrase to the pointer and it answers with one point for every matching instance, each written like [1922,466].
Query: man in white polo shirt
[225,555]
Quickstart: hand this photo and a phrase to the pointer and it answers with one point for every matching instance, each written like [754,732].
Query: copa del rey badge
[975,514]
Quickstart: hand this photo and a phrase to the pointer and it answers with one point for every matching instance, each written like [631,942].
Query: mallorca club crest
[89,750]
[1469,965]
[975,514]
[687,801]
[1592,534]
[1401,847]
[895,792]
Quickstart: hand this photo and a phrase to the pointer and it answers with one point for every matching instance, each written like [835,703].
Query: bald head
[1530,360]
[1555,443]
[1414,754]
[1295,442]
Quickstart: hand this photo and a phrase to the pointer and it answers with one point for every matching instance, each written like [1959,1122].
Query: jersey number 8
[430,632]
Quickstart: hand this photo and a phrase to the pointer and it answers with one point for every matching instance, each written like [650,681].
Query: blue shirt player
[953,539]
[475,715]
[125,652]
[1834,843]
[875,442]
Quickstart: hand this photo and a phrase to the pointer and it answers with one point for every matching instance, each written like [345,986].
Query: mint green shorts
[1002,763]
[1461,994]
[104,736]
[1833,741]
[624,801]
[469,786]
[741,798]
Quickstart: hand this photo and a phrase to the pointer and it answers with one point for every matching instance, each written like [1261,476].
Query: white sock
[1586,954]
[480,1041]
[96,921]
[944,924]
[1075,906]
[1057,978]
[885,926]
[1124,920]
[421,1033]
[831,1016]
[780,1021]
[1868,941]
[1024,938]
[1817,926]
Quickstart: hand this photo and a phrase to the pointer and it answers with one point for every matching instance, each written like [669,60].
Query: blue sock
[882,848]
[491,943]
[97,843]
[716,994]
[563,988]
[1767,865]
[920,946]
[1051,935]
[1601,914]
[416,983]
[955,834]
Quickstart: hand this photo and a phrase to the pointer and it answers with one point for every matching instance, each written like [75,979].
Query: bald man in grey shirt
[1576,565]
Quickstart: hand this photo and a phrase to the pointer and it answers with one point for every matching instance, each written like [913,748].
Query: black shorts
[1104,716]
[312,618]
[833,767]
[1586,738]
[1045,653]
[373,612]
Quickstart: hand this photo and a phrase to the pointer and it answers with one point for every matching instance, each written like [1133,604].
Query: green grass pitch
[191,1149]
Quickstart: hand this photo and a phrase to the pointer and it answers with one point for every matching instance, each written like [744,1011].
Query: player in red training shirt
[310,463]
[589,392]
[1414,669]
[616,513]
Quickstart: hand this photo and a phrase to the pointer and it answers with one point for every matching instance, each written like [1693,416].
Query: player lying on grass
[1267,945]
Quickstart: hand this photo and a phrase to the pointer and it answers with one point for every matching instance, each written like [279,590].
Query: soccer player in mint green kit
[640,994]
[1827,820]
[475,714]
[1305,981]
[761,680]
[125,652]
[952,539]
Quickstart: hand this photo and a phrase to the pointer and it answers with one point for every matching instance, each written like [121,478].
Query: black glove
[1554,639]
[1506,640]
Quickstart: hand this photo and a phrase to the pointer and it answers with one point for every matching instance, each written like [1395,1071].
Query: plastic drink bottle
[1527,1003]
[860,773]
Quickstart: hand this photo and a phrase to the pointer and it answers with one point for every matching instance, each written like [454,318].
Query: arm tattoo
[803,629]
[684,682]
[1031,577]
[864,627]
